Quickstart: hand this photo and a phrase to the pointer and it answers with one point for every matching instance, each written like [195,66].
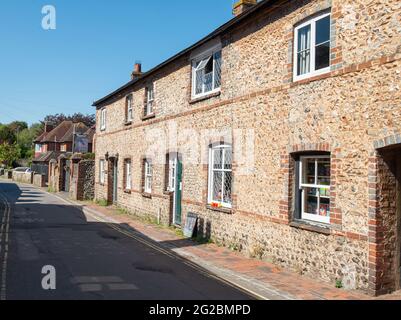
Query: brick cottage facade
[306,96]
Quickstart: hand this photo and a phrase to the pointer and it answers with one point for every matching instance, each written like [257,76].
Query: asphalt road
[92,261]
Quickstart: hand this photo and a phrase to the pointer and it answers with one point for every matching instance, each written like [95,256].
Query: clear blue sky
[93,49]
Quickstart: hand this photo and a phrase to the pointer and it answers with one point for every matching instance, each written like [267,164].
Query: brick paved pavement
[260,277]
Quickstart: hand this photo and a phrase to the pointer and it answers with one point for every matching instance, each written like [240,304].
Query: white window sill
[312,218]
[210,94]
[312,74]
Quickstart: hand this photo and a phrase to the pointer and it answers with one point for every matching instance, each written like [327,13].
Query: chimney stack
[48,126]
[137,71]
[243,5]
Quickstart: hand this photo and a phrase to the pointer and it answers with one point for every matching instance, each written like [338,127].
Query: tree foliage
[9,153]
[16,138]
[89,119]
[6,134]
[18,126]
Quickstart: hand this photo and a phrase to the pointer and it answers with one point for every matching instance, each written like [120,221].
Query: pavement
[235,275]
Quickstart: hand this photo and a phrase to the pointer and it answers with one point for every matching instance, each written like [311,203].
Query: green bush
[102,202]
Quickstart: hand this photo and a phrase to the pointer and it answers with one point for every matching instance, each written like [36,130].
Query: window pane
[217,70]
[217,187]
[148,168]
[323,30]
[308,174]
[322,56]
[303,62]
[203,63]
[304,38]
[323,172]
[311,197]
[208,79]
[218,158]
[304,45]
[150,94]
[227,187]
[228,159]
[199,81]
[209,66]
[324,208]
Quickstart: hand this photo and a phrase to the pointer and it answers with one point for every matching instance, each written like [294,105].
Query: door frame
[176,161]
[115,180]
[112,179]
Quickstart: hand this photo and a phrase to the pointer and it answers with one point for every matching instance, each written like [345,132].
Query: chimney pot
[137,71]
[243,5]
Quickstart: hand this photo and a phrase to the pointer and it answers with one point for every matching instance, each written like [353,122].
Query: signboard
[81,143]
[190,225]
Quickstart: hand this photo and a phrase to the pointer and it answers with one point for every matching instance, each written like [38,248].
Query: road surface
[92,261]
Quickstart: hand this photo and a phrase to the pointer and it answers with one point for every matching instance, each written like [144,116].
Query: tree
[25,140]
[89,119]
[6,134]
[18,126]
[9,153]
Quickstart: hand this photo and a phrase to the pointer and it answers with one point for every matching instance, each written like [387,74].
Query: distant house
[67,137]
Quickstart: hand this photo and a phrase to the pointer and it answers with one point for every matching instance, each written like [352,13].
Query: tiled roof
[40,138]
[227,26]
[47,156]
[57,133]
[63,132]
[79,128]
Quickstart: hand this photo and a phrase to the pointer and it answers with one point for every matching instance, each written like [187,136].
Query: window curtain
[304,46]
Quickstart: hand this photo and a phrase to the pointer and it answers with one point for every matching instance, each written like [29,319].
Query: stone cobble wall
[83,180]
[22,177]
[347,109]
[39,180]
[87,168]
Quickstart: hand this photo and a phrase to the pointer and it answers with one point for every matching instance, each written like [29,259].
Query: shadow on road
[43,230]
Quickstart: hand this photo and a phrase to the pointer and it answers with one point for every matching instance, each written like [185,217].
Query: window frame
[103,119]
[172,173]
[205,55]
[212,170]
[312,72]
[148,176]
[128,174]
[304,216]
[102,171]
[129,108]
[149,107]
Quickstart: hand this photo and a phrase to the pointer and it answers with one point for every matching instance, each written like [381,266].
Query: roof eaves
[231,23]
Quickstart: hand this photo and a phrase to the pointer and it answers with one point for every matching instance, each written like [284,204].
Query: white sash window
[312,47]
[148,176]
[314,185]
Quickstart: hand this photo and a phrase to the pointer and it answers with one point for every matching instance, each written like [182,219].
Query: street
[92,260]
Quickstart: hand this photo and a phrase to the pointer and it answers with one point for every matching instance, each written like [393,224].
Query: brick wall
[344,112]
